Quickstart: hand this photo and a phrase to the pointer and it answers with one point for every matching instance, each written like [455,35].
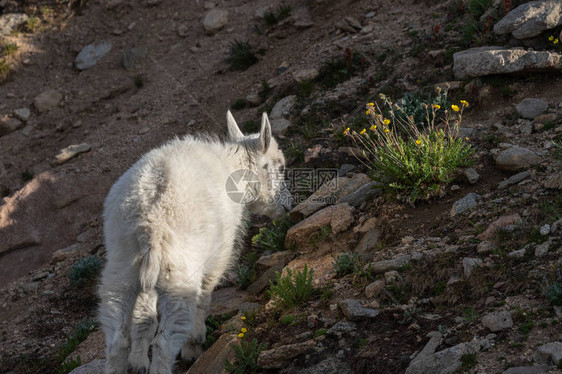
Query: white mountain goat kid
[171,224]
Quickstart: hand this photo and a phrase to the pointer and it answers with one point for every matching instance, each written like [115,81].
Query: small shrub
[470,315]
[287,319]
[31,24]
[554,293]
[526,327]
[265,90]
[295,288]
[10,49]
[277,15]
[241,55]
[415,163]
[239,104]
[245,275]
[85,271]
[273,238]
[245,357]
[138,80]
[341,69]
[414,105]
[468,361]
[346,263]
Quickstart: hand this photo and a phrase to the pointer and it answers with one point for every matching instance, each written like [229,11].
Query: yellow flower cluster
[243,330]
[418,142]
[436,106]
[464,103]
[455,107]
[553,40]
[386,122]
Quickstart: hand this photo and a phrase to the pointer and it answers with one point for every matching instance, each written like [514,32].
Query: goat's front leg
[193,347]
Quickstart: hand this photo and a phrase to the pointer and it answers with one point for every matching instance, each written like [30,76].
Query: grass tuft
[85,271]
[245,357]
[241,55]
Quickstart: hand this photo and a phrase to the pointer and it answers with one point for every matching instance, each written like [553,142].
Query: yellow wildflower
[555,41]
[386,130]
[467,138]
[418,142]
[464,103]
[371,104]
[243,318]
[373,127]
[241,335]
[386,121]
[244,330]
[363,131]
[436,106]
[551,38]
[455,107]
[346,131]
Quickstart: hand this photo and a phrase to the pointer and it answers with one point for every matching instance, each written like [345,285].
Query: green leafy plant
[470,315]
[245,357]
[412,162]
[294,288]
[78,336]
[468,361]
[85,271]
[68,365]
[273,237]
[241,55]
[346,263]
[553,293]
[414,106]
[277,15]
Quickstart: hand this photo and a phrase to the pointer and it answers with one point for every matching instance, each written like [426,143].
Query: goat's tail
[151,257]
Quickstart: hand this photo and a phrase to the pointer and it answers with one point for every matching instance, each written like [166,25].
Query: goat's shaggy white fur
[170,234]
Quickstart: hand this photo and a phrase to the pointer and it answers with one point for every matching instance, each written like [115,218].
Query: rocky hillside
[366,275]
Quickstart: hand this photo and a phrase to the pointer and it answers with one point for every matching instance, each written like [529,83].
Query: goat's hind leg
[177,310]
[143,328]
[116,306]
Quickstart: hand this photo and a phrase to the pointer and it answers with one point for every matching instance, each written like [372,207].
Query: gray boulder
[481,61]
[530,107]
[465,204]
[91,54]
[47,100]
[214,20]
[93,367]
[516,158]
[354,311]
[530,19]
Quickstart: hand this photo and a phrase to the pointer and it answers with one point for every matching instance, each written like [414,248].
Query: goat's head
[272,197]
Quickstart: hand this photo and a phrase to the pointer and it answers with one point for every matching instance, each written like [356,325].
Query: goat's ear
[234,132]
[265,133]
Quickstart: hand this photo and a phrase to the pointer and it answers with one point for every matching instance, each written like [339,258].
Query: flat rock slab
[517,158]
[481,61]
[71,151]
[552,350]
[513,219]
[93,367]
[538,369]
[10,21]
[354,311]
[514,179]
[530,19]
[498,321]
[213,359]
[388,265]
[443,362]
[278,357]
[227,300]
[91,54]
